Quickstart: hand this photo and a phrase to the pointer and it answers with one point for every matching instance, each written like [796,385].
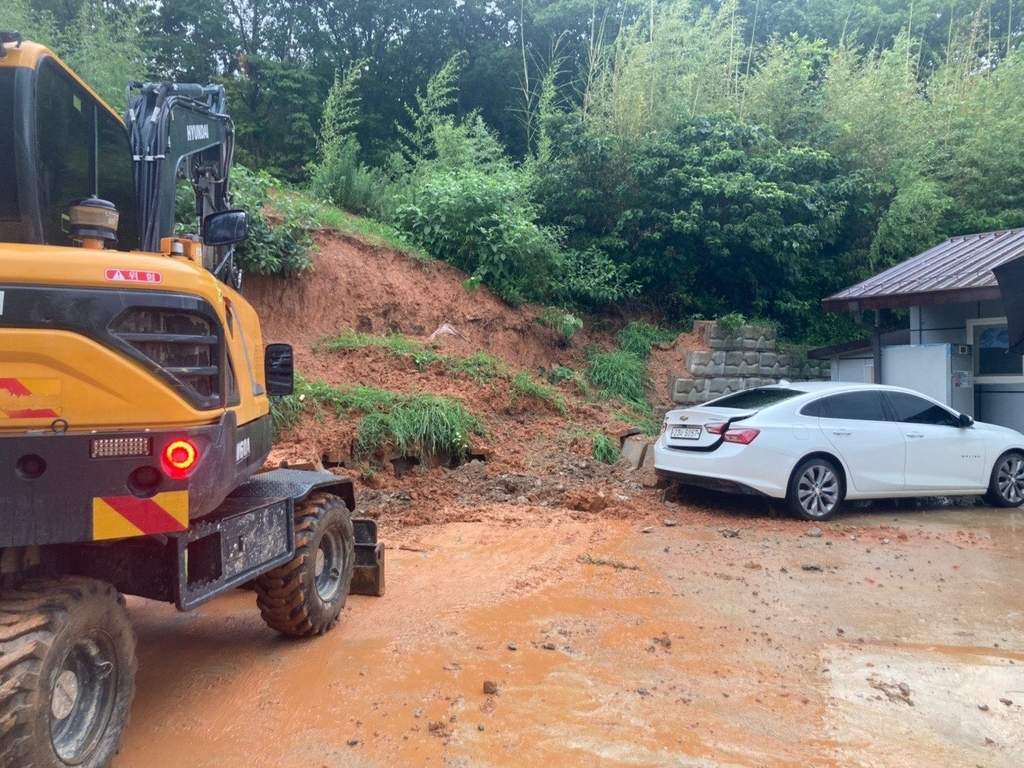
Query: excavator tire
[67,673]
[305,596]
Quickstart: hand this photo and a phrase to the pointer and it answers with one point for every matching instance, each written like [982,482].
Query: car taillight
[179,457]
[743,436]
[714,428]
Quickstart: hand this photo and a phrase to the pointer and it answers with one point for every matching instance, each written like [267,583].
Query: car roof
[830,386]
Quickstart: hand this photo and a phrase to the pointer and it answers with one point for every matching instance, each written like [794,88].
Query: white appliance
[941,371]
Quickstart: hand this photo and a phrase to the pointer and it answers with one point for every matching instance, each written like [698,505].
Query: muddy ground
[728,638]
[544,608]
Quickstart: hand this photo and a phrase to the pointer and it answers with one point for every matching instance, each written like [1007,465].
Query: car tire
[815,490]
[1006,484]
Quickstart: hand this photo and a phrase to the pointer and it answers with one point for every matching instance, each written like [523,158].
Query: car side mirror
[965,421]
[279,369]
[225,227]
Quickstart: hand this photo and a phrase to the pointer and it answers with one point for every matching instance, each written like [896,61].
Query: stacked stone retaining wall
[741,359]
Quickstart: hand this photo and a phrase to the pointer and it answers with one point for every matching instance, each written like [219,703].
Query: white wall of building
[998,403]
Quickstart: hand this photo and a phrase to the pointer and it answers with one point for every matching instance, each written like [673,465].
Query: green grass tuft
[415,425]
[605,449]
[419,425]
[638,337]
[480,367]
[523,386]
[621,375]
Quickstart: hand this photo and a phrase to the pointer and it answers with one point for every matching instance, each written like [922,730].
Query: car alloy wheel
[816,490]
[1006,488]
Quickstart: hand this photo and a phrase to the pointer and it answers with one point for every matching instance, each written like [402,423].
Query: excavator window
[80,148]
[10,209]
[65,127]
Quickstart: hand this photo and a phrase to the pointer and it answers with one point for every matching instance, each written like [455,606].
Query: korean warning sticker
[133,276]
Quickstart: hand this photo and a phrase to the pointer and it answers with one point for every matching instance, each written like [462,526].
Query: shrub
[482,223]
[281,249]
[340,178]
[560,321]
[590,277]
[731,322]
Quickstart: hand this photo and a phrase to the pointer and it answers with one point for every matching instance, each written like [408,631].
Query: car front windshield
[755,399]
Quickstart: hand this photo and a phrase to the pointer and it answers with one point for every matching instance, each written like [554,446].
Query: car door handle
[842,432]
[914,434]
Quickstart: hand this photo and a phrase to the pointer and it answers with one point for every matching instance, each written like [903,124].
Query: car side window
[855,406]
[912,409]
[813,408]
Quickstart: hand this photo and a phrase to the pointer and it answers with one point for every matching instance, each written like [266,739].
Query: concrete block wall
[738,360]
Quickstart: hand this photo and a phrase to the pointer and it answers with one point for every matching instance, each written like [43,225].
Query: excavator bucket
[368,574]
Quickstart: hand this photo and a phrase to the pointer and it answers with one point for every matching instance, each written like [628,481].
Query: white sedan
[818,443]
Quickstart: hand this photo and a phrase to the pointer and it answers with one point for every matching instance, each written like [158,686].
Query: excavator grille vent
[183,344]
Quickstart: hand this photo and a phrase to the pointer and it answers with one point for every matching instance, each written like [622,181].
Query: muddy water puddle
[598,645]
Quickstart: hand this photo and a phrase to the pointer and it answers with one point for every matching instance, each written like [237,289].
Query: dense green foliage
[281,249]
[696,158]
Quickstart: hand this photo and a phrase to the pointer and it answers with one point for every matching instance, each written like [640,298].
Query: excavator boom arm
[178,131]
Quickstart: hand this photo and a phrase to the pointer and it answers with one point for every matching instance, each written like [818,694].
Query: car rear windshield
[754,399]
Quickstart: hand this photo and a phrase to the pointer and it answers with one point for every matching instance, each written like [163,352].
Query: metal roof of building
[956,271]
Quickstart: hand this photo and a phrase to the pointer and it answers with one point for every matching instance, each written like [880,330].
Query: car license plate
[685,433]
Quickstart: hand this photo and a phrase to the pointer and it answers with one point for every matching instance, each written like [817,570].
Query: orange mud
[675,647]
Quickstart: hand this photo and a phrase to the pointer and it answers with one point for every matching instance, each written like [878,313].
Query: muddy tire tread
[31,615]
[283,594]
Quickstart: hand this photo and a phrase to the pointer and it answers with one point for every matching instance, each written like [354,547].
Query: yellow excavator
[135,407]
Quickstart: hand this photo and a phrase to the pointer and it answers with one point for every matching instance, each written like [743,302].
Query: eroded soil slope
[535,455]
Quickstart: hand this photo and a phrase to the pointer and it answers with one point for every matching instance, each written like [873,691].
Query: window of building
[993,360]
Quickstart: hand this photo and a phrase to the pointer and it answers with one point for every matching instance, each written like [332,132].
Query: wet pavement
[895,637]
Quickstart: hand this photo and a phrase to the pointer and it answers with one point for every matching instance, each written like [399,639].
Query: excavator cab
[54,130]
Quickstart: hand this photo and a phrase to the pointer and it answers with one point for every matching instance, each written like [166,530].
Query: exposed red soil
[382,291]
[378,290]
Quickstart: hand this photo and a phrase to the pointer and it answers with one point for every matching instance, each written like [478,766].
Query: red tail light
[714,428]
[744,436]
[179,457]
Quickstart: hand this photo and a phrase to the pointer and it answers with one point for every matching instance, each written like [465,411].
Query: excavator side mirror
[225,227]
[279,369]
